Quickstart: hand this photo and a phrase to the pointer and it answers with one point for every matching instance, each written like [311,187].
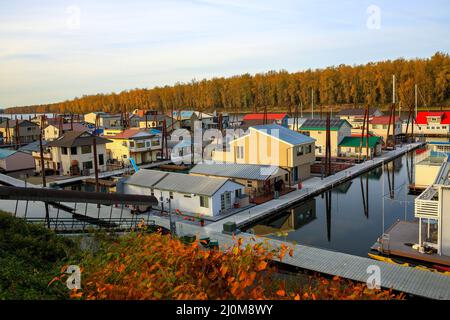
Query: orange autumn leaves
[152,266]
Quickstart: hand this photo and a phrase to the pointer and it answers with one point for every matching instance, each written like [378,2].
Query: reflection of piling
[328,213]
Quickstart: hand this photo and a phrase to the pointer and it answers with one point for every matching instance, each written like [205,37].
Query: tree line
[280,90]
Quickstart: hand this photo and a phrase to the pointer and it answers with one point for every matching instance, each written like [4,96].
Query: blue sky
[47,54]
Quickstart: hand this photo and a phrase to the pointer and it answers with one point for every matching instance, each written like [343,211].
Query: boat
[439,269]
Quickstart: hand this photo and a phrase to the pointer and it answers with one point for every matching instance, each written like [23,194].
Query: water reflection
[349,217]
[287,221]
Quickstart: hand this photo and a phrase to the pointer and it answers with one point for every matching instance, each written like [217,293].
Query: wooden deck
[403,232]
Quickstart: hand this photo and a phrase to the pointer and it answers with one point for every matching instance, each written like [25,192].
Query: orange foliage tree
[153,266]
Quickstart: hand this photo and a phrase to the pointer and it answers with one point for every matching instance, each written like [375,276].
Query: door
[225,201]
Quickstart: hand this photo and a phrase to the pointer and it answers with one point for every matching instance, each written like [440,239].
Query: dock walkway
[405,279]
[311,187]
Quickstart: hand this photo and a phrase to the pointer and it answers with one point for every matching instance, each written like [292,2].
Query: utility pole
[97,189]
[415,98]
[312,103]
[44,182]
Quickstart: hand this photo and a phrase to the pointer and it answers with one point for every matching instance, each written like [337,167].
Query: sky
[52,51]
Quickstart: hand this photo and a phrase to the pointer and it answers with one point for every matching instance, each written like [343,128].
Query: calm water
[347,226]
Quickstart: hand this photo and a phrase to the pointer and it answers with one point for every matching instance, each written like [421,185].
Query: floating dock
[398,236]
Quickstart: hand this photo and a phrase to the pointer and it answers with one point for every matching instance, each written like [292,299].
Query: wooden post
[44,182]
[97,189]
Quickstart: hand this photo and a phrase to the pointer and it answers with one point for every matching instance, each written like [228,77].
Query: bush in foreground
[30,255]
[154,266]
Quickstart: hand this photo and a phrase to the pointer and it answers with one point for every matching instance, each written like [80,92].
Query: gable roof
[356,142]
[76,139]
[383,120]
[260,116]
[33,147]
[284,134]
[423,115]
[238,171]
[321,124]
[184,183]
[22,123]
[145,178]
[130,134]
[5,153]
[67,126]
[356,112]
[177,182]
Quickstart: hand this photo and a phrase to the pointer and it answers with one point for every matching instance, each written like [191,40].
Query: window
[171,195]
[86,149]
[147,144]
[204,203]
[101,159]
[73,150]
[156,143]
[249,183]
[300,151]
[240,152]
[152,192]
[131,144]
[64,150]
[238,193]
[444,127]
[87,165]
[187,196]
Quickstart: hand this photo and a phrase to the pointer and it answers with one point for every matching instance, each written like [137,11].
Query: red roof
[383,120]
[422,116]
[260,116]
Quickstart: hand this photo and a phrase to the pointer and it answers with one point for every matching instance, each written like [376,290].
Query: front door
[295,174]
[225,201]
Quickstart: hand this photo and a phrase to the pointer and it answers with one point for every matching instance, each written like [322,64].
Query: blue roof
[439,143]
[184,114]
[284,134]
[154,131]
[5,153]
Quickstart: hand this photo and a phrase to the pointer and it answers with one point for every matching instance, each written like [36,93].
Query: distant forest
[280,90]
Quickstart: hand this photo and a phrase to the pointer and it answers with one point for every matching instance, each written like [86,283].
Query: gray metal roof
[145,178]
[177,182]
[185,183]
[238,171]
[284,134]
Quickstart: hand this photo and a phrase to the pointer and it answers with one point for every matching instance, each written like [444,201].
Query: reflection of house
[12,160]
[258,180]
[343,187]
[379,125]
[53,132]
[287,221]
[139,144]
[356,116]
[353,147]
[316,128]
[27,131]
[189,194]
[72,153]
[272,145]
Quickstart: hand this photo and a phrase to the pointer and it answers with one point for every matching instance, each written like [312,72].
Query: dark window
[73,150]
[101,159]
[87,165]
[64,150]
[86,149]
[204,203]
[171,195]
